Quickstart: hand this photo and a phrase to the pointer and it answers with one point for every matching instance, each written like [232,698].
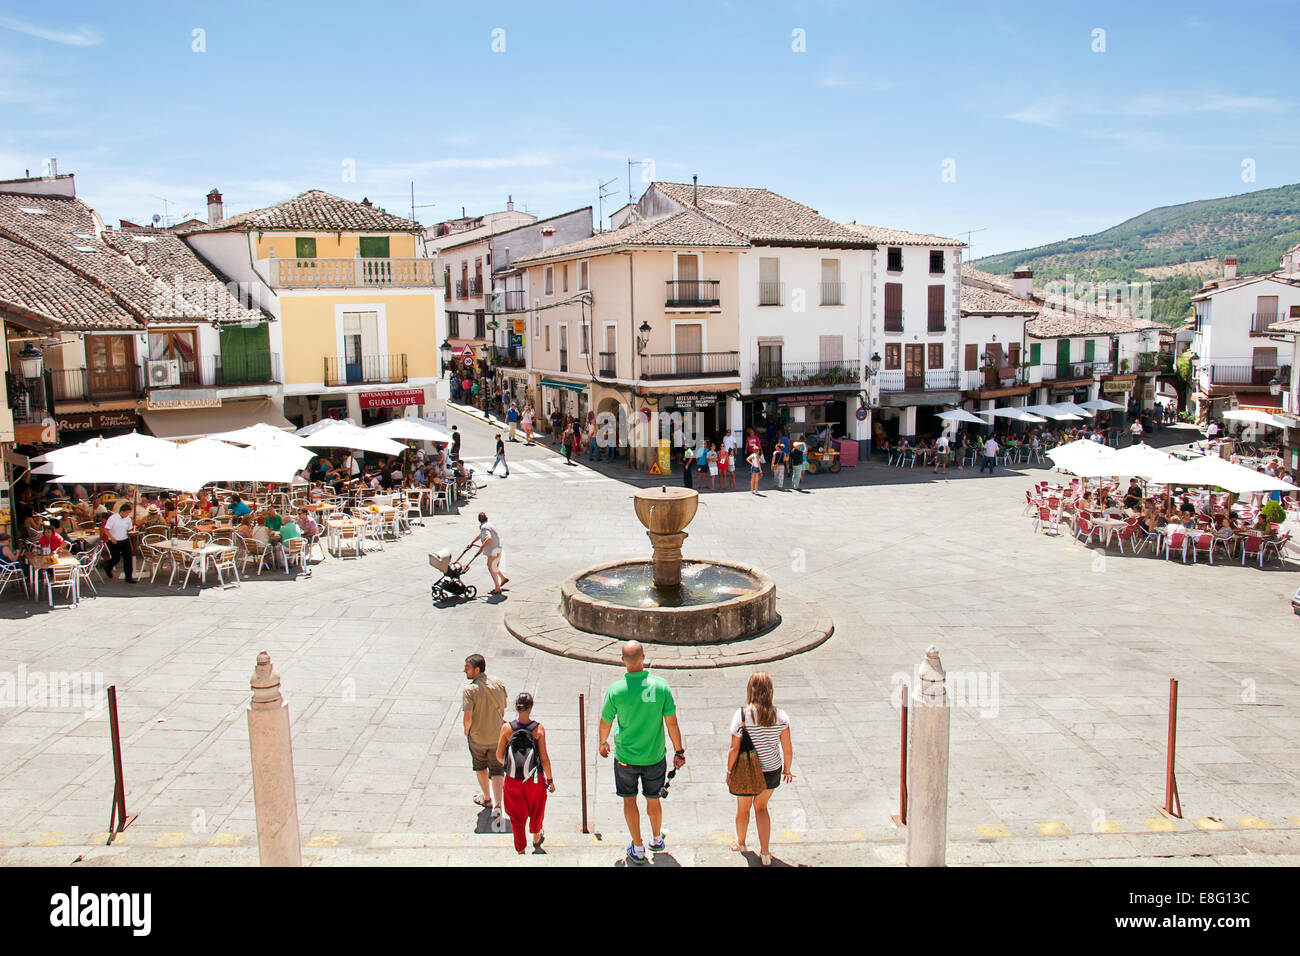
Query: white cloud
[82,36]
[1041,112]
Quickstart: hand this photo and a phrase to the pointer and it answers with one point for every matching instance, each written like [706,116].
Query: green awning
[557,383]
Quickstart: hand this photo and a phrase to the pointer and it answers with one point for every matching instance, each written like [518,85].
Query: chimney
[1230,267]
[510,204]
[1119,302]
[695,191]
[51,168]
[548,237]
[365,201]
[1022,283]
[216,212]
[1290,262]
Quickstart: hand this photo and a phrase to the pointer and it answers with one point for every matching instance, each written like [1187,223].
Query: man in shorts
[484,704]
[643,705]
[490,544]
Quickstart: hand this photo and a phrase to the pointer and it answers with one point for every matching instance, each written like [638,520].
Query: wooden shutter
[893,307]
[304,248]
[830,350]
[1089,350]
[769,269]
[1014,350]
[374,247]
[972,357]
[1036,353]
[935,323]
[936,355]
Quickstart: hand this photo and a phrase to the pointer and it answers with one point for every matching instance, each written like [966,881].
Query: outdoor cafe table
[335,525]
[39,562]
[1108,525]
[185,550]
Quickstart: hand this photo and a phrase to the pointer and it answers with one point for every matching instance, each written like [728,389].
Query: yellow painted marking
[1160,825]
[1053,829]
[994,830]
[856,836]
[1107,826]
[6,839]
[1295,820]
[170,839]
[55,839]
[790,836]
[324,839]
[555,841]
[1254,823]
[226,839]
[1209,823]
[118,839]
[721,838]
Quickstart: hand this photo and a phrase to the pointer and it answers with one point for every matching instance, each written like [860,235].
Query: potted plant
[1272,514]
[1124,366]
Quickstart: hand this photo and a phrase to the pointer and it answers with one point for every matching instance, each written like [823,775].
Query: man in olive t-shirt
[484,704]
[643,705]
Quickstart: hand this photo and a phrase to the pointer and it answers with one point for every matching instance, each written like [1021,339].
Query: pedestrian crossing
[537,469]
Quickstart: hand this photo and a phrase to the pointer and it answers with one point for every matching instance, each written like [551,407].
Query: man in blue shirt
[512,418]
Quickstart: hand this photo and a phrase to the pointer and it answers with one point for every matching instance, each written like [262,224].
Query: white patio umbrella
[410,429]
[1015,414]
[339,434]
[212,460]
[1103,405]
[1143,461]
[159,470]
[960,415]
[1254,416]
[1050,411]
[1073,409]
[99,449]
[1213,470]
[1086,459]
[260,434]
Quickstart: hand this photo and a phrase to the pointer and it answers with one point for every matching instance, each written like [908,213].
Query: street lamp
[875,362]
[32,360]
[445,351]
[643,339]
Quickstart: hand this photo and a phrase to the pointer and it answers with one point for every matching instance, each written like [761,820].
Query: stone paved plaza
[1060,657]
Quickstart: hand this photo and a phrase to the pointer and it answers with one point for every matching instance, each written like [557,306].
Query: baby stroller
[449,586]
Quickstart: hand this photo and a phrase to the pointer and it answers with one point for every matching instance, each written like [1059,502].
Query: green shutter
[304,248]
[1035,353]
[245,355]
[374,247]
[1089,350]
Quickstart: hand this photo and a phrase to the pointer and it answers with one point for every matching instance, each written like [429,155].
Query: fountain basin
[719,601]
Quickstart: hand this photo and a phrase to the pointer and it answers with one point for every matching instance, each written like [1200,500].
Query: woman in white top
[769,729]
[526,422]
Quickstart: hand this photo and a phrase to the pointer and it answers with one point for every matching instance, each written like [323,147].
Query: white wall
[916,281]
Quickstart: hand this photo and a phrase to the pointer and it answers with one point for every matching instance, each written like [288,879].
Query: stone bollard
[275,798]
[927,767]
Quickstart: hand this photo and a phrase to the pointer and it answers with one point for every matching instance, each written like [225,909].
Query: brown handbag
[746,778]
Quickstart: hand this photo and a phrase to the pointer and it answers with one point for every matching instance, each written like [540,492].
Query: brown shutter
[972,357]
[1014,351]
[893,307]
[936,309]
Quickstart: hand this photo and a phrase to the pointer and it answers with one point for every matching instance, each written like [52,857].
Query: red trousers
[525,804]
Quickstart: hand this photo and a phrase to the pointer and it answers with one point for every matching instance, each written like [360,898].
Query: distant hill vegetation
[1173,247]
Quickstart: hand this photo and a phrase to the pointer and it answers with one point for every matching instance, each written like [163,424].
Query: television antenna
[630,164]
[424,205]
[969,246]
[601,188]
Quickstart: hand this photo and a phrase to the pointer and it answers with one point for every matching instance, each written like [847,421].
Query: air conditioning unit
[164,372]
[1080,370]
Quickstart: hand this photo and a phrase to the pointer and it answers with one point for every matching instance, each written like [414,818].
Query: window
[1035,353]
[586,338]
[830,350]
[374,247]
[548,338]
[1013,354]
[893,356]
[564,277]
[972,359]
[304,248]
[936,262]
[934,321]
[769,281]
[895,259]
[1264,358]
[1089,350]
[172,345]
[550,280]
[584,276]
[769,361]
[480,325]
[832,290]
[893,307]
[935,358]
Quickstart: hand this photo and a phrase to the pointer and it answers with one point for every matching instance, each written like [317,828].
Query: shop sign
[694,402]
[519,327]
[94,421]
[1118,386]
[394,398]
[154,403]
[1103,368]
[515,340]
[795,401]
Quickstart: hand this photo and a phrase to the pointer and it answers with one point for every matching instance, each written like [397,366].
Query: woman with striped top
[769,729]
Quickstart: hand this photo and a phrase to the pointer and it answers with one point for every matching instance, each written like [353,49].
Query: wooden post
[1173,805]
[901,817]
[582,753]
[118,818]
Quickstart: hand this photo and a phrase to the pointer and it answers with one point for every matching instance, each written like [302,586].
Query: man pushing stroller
[491,547]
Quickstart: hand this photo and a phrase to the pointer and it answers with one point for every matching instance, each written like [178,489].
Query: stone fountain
[670,599]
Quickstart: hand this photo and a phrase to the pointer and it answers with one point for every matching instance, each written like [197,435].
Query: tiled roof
[65,266]
[1054,323]
[167,258]
[315,211]
[978,276]
[686,229]
[1215,286]
[1286,325]
[977,300]
[762,216]
[31,282]
[899,237]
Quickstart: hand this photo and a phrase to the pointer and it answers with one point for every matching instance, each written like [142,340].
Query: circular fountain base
[718,601]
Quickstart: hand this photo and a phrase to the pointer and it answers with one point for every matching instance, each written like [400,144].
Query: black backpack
[523,759]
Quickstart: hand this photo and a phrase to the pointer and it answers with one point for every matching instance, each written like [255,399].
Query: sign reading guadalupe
[794,401]
[393,398]
[94,421]
[156,403]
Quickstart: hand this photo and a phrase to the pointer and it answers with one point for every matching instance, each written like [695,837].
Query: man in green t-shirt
[483,701]
[643,705]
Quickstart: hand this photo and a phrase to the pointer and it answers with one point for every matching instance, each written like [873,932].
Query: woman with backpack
[521,749]
[768,731]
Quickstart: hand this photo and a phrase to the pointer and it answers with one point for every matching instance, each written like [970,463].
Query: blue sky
[1047,139]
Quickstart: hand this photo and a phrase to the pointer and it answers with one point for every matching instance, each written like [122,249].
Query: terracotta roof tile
[316,211]
[31,281]
[686,229]
[899,237]
[762,216]
[977,300]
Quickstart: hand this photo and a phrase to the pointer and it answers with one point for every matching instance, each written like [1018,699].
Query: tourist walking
[455,444]
[512,419]
[521,750]
[755,470]
[593,447]
[567,441]
[778,466]
[768,729]
[798,451]
[500,459]
[941,453]
[118,530]
[491,545]
[688,465]
[643,705]
[483,702]
[990,460]
[1135,432]
[712,456]
[527,422]
[731,465]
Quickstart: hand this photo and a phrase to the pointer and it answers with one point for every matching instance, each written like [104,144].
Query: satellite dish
[156,219]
